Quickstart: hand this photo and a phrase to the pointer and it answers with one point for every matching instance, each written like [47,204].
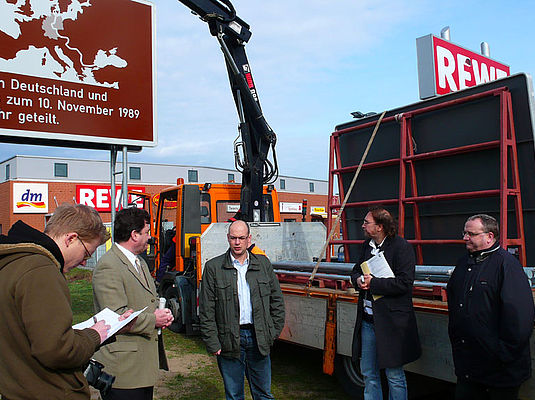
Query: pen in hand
[102,328]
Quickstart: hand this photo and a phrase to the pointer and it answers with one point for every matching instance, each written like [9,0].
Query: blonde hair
[79,218]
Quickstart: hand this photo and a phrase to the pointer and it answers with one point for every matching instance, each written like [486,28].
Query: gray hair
[489,223]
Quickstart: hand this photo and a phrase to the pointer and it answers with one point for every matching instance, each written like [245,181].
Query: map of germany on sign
[77,70]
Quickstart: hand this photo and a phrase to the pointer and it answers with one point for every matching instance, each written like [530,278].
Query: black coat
[491,316]
[393,314]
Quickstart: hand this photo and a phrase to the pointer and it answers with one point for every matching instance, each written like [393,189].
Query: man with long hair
[386,335]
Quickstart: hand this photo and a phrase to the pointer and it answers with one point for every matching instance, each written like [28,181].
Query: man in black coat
[386,335]
[491,316]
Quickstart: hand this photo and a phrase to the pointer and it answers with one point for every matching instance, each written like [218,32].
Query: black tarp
[464,124]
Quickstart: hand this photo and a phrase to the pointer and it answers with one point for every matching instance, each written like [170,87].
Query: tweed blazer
[133,357]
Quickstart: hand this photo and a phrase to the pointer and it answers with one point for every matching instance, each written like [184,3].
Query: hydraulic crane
[255,138]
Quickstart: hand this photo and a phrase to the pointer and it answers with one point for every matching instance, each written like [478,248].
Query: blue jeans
[251,364]
[397,384]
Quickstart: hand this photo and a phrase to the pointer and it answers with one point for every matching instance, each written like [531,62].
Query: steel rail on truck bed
[425,275]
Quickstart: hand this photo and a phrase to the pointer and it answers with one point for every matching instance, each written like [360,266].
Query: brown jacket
[41,356]
[133,357]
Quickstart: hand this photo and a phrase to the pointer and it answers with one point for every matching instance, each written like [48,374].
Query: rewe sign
[444,67]
[98,196]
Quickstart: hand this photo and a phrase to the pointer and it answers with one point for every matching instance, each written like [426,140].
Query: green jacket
[219,308]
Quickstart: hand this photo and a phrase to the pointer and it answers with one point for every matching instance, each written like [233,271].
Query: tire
[174,303]
[348,375]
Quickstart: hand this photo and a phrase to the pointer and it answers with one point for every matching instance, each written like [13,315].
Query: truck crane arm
[256,138]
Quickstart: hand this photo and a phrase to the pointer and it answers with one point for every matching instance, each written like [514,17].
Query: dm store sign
[30,198]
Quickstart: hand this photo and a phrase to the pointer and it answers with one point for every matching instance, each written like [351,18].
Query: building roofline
[8,159]
[150,163]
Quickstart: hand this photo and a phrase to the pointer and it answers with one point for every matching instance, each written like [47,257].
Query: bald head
[239,222]
[239,239]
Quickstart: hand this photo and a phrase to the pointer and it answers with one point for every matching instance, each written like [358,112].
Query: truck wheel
[348,375]
[174,303]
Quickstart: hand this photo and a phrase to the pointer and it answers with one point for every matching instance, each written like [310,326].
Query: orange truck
[189,224]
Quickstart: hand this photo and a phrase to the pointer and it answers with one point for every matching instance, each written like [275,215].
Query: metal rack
[408,196]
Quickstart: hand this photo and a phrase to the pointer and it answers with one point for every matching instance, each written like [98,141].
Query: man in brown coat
[122,281]
[41,356]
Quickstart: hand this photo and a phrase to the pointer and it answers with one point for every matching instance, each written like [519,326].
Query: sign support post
[124,190]
[124,186]
[113,163]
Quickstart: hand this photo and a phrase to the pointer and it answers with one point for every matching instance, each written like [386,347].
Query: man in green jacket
[41,356]
[241,314]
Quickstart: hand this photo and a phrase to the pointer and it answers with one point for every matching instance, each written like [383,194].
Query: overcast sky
[314,62]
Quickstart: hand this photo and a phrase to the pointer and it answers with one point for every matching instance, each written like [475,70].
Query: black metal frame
[257,137]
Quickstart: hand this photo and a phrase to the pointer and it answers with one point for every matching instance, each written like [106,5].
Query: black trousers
[144,393]
[467,390]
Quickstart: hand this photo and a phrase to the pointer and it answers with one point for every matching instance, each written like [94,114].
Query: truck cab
[182,214]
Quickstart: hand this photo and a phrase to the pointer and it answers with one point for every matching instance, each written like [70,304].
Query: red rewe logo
[457,68]
[444,67]
[99,196]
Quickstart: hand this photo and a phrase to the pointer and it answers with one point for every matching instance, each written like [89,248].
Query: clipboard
[379,268]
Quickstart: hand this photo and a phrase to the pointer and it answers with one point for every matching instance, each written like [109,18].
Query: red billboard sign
[99,196]
[444,67]
[79,72]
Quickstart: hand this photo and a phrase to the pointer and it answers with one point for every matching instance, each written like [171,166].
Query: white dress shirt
[131,256]
[244,292]
[375,247]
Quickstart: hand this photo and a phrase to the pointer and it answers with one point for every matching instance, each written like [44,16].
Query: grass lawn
[81,294]
[193,375]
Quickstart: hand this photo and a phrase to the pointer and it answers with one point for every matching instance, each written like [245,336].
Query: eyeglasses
[367,222]
[87,253]
[472,234]
[233,238]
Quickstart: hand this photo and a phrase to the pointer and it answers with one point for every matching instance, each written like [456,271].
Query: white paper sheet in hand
[379,266]
[111,318]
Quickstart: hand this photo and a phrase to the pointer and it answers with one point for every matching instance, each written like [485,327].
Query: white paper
[110,318]
[379,266]
[368,307]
